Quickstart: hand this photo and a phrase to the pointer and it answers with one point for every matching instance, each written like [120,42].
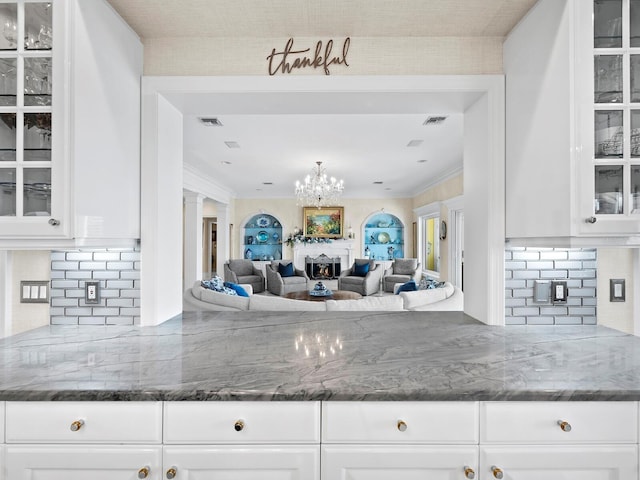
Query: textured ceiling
[313,18]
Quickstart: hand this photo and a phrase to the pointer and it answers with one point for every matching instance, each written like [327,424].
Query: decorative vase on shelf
[367,252]
[248,254]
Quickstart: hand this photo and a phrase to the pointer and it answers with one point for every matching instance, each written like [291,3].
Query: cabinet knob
[77,425]
[591,220]
[497,472]
[144,472]
[239,425]
[469,473]
[402,426]
[172,472]
[564,426]
[54,222]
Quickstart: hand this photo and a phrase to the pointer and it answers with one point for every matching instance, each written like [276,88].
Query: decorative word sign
[289,59]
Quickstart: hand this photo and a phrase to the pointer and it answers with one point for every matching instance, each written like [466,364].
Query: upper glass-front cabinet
[26,30]
[616,100]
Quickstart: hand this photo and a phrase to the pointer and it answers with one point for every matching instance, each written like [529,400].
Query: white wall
[484,209]
[616,263]
[161,224]
[367,55]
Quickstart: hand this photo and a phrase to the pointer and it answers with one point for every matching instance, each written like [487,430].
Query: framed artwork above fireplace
[325,222]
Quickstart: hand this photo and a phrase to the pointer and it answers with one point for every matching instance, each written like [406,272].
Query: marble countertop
[321,356]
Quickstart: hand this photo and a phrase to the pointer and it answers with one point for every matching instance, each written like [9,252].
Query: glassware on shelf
[608,190]
[608,133]
[9,22]
[8,192]
[608,78]
[37,191]
[607,24]
[37,137]
[38,26]
[37,81]
[635,189]
[7,137]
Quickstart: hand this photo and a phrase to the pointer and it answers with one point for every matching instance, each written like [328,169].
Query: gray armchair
[401,270]
[244,271]
[364,285]
[279,285]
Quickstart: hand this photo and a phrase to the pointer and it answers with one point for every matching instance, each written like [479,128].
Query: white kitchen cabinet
[242,440]
[401,462]
[574,440]
[403,440]
[570,161]
[254,462]
[606,462]
[69,153]
[77,440]
[79,462]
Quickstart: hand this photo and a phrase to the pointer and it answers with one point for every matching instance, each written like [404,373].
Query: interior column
[192,261]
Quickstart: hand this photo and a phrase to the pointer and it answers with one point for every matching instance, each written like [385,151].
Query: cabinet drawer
[400,422]
[2,422]
[540,422]
[242,422]
[99,422]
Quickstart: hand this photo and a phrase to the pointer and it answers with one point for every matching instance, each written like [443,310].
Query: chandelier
[317,189]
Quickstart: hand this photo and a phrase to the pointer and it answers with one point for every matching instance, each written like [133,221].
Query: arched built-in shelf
[383,237]
[262,238]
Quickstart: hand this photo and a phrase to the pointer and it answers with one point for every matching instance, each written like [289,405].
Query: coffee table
[337,295]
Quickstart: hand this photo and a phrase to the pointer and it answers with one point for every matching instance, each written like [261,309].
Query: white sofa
[447,298]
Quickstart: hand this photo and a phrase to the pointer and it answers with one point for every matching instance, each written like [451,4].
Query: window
[429,238]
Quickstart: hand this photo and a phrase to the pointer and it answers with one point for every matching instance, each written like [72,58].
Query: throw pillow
[236,288]
[429,283]
[286,270]
[360,270]
[410,286]
[217,285]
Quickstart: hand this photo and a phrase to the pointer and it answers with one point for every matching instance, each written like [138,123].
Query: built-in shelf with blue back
[383,237]
[262,238]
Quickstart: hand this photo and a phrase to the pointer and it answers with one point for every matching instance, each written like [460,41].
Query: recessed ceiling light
[422,161]
[388,188]
[435,120]
[232,144]
[211,121]
[225,162]
[415,143]
[378,182]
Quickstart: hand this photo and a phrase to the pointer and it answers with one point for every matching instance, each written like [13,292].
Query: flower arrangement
[298,238]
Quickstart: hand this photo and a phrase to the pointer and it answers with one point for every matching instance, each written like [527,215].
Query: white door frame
[484,159]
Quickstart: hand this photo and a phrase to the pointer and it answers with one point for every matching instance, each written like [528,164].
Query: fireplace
[342,249]
[322,267]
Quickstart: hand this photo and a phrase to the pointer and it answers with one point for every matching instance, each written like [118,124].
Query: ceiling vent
[211,121]
[435,120]
[414,143]
[232,144]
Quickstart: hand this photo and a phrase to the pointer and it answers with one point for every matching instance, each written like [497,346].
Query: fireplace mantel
[338,248]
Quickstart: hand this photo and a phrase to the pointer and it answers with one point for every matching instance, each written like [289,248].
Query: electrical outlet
[559,292]
[92,292]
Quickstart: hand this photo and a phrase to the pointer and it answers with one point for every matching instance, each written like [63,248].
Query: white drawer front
[2,404]
[539,422]
[380,422]
[242,422]
[101,422]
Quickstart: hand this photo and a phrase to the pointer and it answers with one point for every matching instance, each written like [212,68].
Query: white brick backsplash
[575,266]
[119,276]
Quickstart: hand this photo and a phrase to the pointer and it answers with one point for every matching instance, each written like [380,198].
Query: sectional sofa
[447,298]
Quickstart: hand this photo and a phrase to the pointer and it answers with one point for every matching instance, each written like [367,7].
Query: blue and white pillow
[429,283]
[217,285]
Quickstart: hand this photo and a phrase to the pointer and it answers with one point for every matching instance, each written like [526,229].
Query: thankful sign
[288,59]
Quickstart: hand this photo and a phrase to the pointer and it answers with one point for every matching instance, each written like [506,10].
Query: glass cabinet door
[25,108]
[616,101]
